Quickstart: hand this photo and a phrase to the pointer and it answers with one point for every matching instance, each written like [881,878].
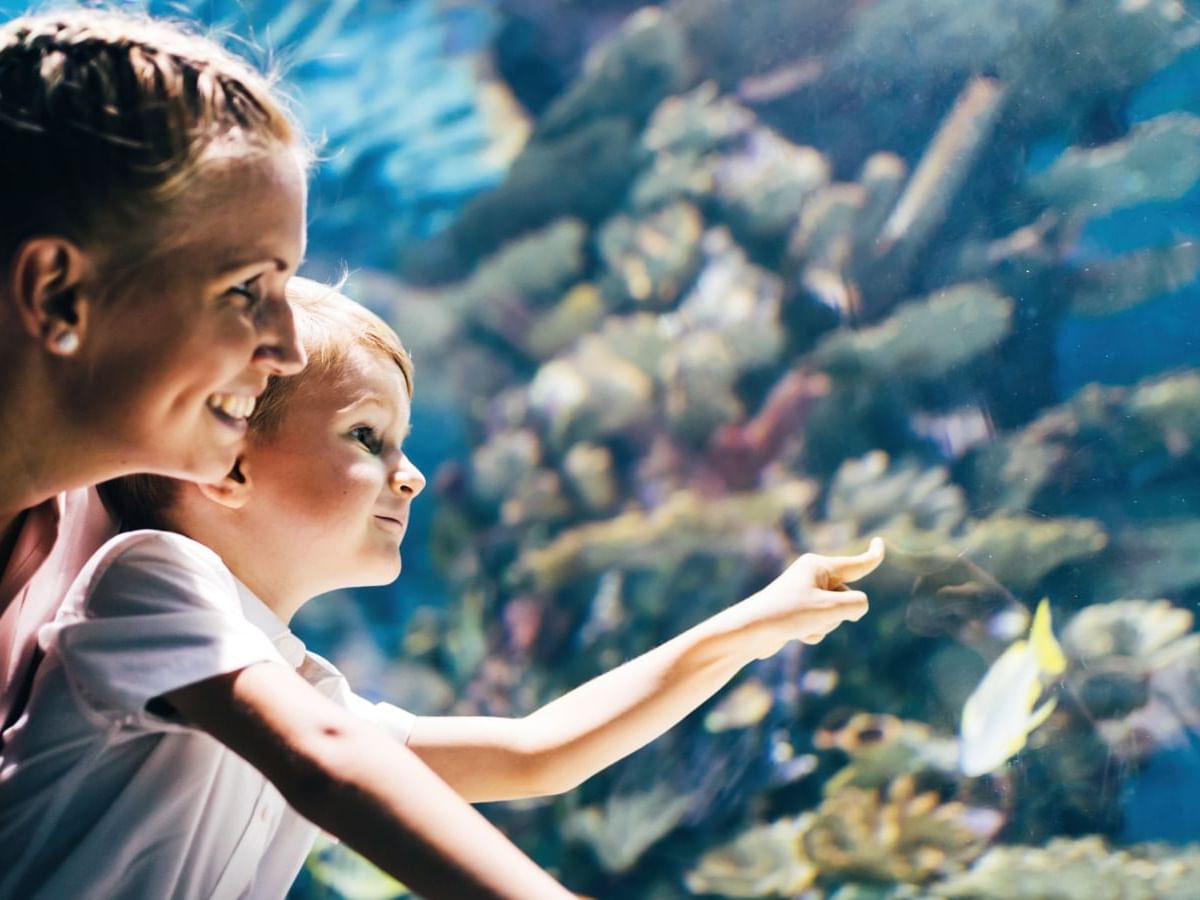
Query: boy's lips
[392,523]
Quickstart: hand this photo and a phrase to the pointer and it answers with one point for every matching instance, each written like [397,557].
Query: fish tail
[1046,649]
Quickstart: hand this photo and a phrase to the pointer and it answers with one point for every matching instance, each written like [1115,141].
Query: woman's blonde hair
[106,116]
[330,325]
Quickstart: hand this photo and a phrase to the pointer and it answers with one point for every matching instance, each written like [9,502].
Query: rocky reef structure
[755,343]
[1085,868]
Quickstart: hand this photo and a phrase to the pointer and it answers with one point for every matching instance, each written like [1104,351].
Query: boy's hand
[808,600]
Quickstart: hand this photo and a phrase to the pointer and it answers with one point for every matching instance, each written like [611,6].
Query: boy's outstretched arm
[360,785]
[571,738]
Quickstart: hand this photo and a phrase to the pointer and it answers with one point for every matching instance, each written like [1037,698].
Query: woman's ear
[233,490]
[47,282]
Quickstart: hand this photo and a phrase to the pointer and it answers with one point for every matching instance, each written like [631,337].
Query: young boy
[171,658]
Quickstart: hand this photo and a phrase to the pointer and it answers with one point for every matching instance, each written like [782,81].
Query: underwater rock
[1114,46]
[1138,630]
[856,834]
[651,260]
[1111,435]
[822,246]
[1137,671]
[923,339]
[883,748]
[697,123]
[640,339]
[589,471]
[1112,285]
[762,186]
[1169,410]
[579,312]
[736,299]
[526,273]
[738,453]
[1081,869]
[1154,558]
[583,174]
[925,49]
[943,169]
[644,62]
[1020,550]
[736,40]
[912,507]
[671,179]
[590,394]
[625,826]
[1158,160]
[698,374]
[901,835]
[685,524]
[537,498]
[745,705]
[507,459]
[763,861]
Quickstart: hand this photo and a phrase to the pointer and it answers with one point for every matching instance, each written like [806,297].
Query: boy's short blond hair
[329,324]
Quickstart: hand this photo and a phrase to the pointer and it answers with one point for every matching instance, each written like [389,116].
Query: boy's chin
[379,574]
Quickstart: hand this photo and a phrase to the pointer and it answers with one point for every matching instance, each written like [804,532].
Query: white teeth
[233,405]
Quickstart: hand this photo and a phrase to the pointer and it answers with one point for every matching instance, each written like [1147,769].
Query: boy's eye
[366,436]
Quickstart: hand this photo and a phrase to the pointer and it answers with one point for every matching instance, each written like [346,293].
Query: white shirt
[100,797]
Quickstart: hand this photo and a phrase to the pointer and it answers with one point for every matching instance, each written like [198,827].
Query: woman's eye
[249,292]
[366,436]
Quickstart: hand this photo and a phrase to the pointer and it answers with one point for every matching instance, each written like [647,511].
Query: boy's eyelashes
[368,437]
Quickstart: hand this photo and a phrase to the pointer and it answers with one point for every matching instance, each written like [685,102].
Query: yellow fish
[1002,711]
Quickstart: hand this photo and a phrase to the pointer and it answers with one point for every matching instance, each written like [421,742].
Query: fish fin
[1046,649]
[1039,716]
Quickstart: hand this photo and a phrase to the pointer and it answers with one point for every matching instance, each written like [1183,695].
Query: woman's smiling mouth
[232,410]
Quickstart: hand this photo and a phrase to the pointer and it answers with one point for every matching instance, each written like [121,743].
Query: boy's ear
[233,490]
[46,282]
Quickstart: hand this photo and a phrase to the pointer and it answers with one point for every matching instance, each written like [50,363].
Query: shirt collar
[290,647]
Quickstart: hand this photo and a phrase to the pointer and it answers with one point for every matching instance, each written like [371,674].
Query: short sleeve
[152,612]
[395,721]
[325,677]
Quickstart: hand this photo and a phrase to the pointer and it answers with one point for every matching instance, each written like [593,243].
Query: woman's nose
[279,351]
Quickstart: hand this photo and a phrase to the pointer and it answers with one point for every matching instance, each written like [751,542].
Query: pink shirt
[56,539]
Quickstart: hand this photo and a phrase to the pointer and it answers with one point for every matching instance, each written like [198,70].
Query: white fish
[1002,711]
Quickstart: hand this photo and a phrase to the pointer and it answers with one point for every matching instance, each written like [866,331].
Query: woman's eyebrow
[281,265]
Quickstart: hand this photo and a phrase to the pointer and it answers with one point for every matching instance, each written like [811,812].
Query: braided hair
[106,116]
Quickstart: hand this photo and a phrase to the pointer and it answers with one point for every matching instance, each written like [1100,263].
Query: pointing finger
[852,568]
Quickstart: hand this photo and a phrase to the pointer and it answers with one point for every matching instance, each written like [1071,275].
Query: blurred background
[696,287]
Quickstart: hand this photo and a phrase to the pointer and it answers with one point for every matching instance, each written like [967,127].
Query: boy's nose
[406,479]
[280,352]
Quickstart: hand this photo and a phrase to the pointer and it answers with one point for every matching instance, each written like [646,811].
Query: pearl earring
[66,342]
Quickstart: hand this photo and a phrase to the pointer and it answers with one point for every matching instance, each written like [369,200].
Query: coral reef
[899,835]
[626,826]
[1084,869]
